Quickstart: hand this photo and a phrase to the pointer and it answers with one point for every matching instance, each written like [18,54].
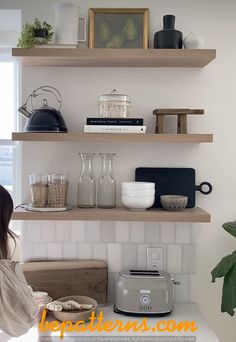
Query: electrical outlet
[155,258]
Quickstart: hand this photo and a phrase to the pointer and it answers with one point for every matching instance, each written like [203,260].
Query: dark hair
[6,210]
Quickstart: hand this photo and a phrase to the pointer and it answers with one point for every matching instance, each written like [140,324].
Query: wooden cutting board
[66,278]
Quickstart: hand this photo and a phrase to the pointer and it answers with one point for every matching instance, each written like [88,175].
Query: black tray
[172,181]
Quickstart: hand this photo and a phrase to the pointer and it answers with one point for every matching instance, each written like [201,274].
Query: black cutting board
[172,181]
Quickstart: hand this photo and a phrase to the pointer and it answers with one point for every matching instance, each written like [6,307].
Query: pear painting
[118,30]
[104,31]
[130,30]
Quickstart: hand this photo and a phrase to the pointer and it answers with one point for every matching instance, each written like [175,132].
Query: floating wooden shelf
[117,214]
[113,137]
[148,58]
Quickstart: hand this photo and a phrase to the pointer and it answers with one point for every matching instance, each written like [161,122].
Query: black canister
[168,38]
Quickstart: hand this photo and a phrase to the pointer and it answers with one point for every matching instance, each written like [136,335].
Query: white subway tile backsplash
[114,256]
[108,231]
[193,288]
[122,231]
[99,251]
[48,231]
[111,287]
[84,251]
[54,251]
[77,231]
[174,258]
[62,231]
[27,251]
[189,259]
[195,233]
[112,281]
[183,233]
[182,291]
[153,232]
[32,231]
[142,256]
[24,234]
[92,231]
[137,232]
[167,232]
[69,250]
[129,256]
[122,244]
[40,251]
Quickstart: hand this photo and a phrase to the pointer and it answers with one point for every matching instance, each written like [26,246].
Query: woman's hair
[6,210]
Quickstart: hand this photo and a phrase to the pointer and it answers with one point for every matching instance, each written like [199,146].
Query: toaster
[142,292]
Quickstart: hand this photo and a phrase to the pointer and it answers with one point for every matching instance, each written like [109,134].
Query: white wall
[212,88]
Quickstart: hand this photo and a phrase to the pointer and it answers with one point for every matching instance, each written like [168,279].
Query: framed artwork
[118,28]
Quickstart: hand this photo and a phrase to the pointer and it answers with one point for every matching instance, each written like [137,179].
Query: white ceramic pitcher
[67,23]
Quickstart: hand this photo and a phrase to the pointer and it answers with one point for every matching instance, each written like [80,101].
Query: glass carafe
[87,182]
[107,182]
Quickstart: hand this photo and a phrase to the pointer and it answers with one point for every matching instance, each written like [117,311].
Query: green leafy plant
[35,34]
[227,268]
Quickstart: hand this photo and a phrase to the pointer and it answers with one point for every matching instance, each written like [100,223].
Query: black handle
[200,188]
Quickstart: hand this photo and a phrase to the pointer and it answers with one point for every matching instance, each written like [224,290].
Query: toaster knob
[145,300]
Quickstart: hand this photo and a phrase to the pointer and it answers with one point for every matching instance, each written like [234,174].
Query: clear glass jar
[107,182]
[114,105]
[87,182]
[57,189]
[38,189]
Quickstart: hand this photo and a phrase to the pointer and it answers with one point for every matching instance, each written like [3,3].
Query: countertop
[182,312]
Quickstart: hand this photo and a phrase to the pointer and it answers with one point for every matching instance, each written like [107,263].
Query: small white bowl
[138,185]
[138,204]
[138,193]
[40,296]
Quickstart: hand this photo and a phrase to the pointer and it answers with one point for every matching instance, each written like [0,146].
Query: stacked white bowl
[138,195]
[41,299]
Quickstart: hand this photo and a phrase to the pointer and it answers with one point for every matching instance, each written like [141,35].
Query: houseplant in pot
[34,34]
[227,268]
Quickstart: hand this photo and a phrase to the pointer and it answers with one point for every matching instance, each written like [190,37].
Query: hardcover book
[114,129]
[115,121]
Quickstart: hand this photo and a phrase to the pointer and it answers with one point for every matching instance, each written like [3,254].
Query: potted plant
[35,34]
[227,268]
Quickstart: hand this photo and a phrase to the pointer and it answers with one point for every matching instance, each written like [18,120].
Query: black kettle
[46,118]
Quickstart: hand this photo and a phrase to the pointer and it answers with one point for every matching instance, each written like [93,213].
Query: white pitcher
[67,23]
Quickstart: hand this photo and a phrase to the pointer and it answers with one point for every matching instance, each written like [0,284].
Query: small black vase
[40,33]
[168,38]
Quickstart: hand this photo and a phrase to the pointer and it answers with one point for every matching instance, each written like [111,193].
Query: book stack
[114,125]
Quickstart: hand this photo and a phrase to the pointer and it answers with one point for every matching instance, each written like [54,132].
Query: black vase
[40,33]
[168,38]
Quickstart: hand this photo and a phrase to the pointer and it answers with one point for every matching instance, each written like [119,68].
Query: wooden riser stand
[182,126]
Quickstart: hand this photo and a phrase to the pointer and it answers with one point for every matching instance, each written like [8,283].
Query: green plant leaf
[28,39]
[224,266]
[230,227]
[228,303]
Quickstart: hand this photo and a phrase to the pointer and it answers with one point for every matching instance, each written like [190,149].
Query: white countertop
[182,312]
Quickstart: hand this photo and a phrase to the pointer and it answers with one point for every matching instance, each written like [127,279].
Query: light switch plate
[155,258]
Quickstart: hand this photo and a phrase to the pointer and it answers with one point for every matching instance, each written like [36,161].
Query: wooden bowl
[76,315]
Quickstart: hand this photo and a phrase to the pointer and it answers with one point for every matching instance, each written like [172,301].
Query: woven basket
[39,193]
[57,194]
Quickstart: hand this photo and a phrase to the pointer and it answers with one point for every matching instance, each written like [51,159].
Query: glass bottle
[87,182]
[168,38]
[107,182]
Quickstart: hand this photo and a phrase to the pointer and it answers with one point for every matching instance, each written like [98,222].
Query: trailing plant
[227,268]
[35,34]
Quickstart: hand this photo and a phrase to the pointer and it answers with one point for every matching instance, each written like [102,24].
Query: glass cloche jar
[114,105]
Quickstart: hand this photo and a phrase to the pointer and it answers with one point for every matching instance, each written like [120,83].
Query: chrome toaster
[144,293]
